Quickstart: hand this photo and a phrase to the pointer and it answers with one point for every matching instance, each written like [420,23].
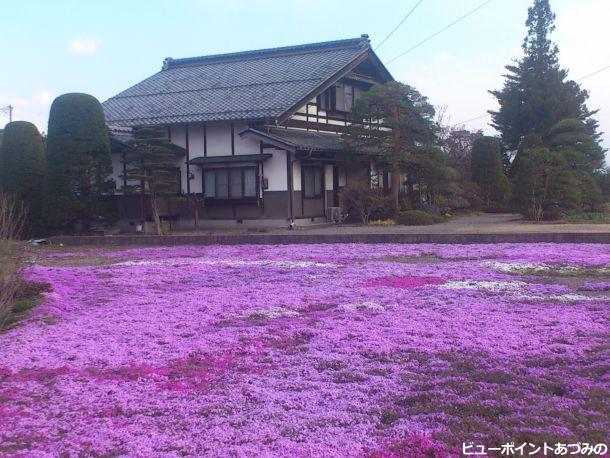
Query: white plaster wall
[219,139]
[178,137]
[245,145]
[196,182]
[195,140]
[328,177]
[195,150]
[342,177]
[117,171]
[275,170]
[178,134]
[296,175]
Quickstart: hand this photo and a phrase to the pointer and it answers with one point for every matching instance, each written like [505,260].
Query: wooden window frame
[242,198]
[304,181]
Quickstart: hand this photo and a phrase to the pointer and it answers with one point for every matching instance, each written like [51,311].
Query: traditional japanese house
[261,130]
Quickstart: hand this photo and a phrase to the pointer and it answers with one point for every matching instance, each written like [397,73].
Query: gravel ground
[479,223]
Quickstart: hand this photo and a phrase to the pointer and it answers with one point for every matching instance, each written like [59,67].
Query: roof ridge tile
[362,42]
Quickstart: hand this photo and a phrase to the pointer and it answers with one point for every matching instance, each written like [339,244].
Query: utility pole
[8,108]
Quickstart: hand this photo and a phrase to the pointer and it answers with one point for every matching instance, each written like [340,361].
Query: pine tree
[573,140]
[22,167]
[79,164]
[151,166]
[536,94]
[487,172]
[547,188]
[395,123]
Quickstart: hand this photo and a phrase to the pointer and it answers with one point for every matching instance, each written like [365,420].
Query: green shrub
[383,222]
[363,203]
[415,218]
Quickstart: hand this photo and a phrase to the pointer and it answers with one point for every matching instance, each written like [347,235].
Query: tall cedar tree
[487,171]
[79,164]
[536,94]
[393,124]
[22,167]
[151,168]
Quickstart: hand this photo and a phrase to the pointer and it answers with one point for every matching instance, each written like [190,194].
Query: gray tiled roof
[300,139]
[249,85]
[120,134]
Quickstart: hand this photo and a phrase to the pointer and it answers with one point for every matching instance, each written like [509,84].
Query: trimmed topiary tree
[79,164]
[22,168]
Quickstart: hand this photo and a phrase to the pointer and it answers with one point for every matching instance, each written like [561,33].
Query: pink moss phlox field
[404,282]
[596,286]
[309,350]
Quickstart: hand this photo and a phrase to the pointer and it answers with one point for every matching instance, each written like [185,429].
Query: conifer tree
[79,164]
[486,170]
[22,170]
[573,140]
[546,188]
[151,166]
[537,94]
[396,123]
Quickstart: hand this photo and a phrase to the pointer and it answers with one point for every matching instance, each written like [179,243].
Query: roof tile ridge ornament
[166,63]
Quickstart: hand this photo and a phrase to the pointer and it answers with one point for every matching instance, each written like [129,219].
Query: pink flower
[404,282]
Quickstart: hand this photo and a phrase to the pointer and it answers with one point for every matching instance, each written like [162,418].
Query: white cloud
[33,108]
[84,45]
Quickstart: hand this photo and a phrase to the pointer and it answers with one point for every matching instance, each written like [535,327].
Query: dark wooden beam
[232,139]
[188,167]
[205,140]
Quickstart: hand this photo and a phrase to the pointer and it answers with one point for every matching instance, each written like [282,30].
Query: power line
[440,31]
[471,119]
[399,24]
[594,73]
[579,79]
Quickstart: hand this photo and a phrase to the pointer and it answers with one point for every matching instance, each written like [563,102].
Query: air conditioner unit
[333,214]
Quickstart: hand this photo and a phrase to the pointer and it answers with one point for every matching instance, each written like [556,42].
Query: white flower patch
[483,285]
[289,264]
[275,312]
[526,267]
[362,305]
[572,298]
[510,267]
[138,263]
[228,262]
[557,297]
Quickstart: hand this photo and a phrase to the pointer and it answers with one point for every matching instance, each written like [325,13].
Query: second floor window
[348,97]
[230,183]
[340,97]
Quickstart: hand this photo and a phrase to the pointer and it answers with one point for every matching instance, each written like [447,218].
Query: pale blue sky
[102,47]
